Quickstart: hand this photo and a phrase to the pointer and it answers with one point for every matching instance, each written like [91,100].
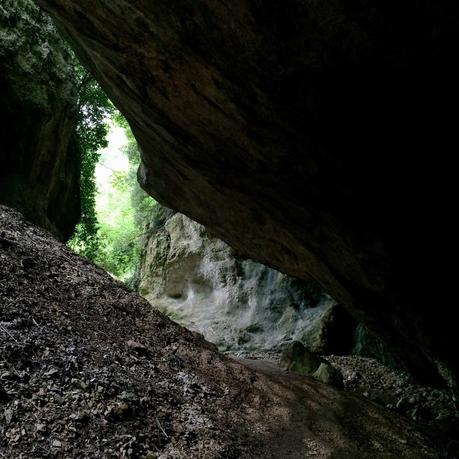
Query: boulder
[329,375]
[366,344]
[298,359]
[331,331]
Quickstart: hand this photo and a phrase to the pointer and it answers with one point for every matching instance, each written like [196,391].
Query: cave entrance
[184,271]
[118,208]
[242,306]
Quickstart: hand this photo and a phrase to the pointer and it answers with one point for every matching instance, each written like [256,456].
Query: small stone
[121,408]
[8,414]
[127,396]
[118,410]
[296,358]
[56,444]
[40,427]
[79,383]
[52,372]
[137,347]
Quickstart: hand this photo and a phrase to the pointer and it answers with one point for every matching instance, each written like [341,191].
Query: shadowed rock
[39,155]
[305,134]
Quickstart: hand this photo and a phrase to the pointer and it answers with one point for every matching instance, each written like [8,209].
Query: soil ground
[87,370]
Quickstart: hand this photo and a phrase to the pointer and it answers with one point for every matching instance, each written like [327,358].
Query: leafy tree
[124,215]
[31,45]
[108,234]
[94,111]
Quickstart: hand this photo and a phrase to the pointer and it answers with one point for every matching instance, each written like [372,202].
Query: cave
[295,163]
[334,109]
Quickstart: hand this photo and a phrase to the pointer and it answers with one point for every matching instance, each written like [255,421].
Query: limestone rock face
[240,305]
[305,134]
[39,158]
[330,332]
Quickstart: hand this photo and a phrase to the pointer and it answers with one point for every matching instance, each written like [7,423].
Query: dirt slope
[88,370]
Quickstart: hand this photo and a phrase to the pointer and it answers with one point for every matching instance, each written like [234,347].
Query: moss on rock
[39,155]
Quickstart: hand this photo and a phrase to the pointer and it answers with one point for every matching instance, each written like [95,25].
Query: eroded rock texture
[305,134]
[39,172]
[238,304]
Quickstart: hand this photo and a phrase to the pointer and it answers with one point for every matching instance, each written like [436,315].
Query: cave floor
[432,409]
[87,369]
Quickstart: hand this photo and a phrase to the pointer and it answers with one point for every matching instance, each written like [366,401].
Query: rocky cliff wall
[39,156]
[238,304]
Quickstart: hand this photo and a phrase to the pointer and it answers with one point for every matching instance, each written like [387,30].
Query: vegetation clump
[94,108]
[123,213]
[117,209]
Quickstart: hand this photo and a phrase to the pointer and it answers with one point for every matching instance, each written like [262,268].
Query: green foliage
[112,218]
[38,60]
[94,110]
[42,67]
[30,45]
[119,249]
[123,209]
